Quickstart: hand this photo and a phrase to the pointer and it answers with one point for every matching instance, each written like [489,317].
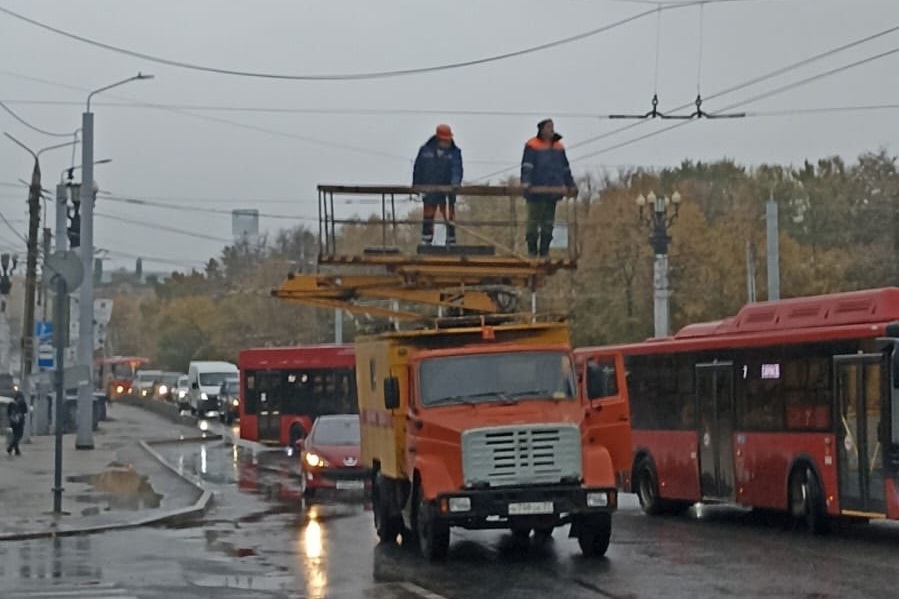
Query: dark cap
[541,124]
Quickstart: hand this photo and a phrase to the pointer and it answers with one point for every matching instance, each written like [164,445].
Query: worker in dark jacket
[15,414]
[439,162]
[544,164]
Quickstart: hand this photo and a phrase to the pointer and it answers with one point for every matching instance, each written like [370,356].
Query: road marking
[420,591]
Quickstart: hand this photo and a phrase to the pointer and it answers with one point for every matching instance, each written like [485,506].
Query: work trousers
[539,232]
[447,207]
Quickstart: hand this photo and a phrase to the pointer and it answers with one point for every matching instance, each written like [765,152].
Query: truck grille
[521,455]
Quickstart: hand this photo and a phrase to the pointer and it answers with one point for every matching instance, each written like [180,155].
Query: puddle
[120,488]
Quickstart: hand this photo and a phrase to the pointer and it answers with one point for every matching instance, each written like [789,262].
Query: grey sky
[173,157]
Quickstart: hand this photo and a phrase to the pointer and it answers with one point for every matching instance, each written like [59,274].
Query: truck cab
[482,428]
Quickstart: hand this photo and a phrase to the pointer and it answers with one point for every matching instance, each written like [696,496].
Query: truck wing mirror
[195,385]
[391,393]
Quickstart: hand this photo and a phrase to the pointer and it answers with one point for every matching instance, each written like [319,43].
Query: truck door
[607,420]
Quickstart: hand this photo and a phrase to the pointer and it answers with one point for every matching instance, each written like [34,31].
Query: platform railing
[392,225]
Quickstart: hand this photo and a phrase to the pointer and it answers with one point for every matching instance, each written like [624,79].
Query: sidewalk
[118,484]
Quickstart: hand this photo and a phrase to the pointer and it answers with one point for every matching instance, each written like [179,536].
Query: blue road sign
[43,329]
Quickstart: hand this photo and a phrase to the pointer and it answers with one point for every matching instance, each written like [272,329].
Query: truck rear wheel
[594,535]
[387,526]
[433,535]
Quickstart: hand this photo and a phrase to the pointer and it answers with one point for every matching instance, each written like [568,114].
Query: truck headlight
[203,396]
[459,504]
[597,499]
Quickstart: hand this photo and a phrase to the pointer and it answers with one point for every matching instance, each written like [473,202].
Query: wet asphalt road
[260,540]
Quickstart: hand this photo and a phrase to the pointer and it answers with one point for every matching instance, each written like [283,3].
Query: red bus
[789,405]
[115,375]
[283,390]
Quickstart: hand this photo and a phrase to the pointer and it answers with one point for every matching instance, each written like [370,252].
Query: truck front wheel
[433,535]
[594,535]
[388,526]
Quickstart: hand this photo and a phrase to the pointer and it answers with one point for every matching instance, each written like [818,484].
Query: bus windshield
[496,378]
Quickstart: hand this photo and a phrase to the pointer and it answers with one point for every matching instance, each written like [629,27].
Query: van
[205,381]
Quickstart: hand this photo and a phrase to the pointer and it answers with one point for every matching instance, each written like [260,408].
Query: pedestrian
[439,162]
[544,164]
[15,413]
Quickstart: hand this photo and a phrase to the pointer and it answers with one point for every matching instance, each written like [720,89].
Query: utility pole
[773,249]
[5,288]
[659,221]
[34,223]
[84,437]
[750,272]
[45,252]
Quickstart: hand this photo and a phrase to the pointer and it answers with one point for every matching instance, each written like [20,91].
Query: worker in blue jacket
[544,164]
[439,162]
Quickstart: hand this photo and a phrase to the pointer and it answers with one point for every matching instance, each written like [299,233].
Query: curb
[170,412]
[178,515]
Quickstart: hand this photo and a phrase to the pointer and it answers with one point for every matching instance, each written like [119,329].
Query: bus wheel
[807,500]
[647,484]
[433,535]
[594,535]
[387,526]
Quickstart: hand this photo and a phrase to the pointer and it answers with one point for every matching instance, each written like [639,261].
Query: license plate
[531,507]
[350,484]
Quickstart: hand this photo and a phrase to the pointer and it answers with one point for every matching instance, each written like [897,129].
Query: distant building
[245,225]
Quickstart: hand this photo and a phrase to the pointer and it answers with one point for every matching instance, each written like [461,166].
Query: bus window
[894,397]
[251,396]
[601,378]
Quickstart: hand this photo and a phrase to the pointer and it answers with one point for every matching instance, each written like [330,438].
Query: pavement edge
[173,516]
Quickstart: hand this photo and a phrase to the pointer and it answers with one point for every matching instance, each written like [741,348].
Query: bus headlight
[163,389]
[119,389]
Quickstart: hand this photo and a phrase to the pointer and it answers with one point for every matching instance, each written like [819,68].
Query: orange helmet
[444,132]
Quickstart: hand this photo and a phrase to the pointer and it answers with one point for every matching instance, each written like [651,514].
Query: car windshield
[337,431]
[496,378]
[183,382]
[214,379]
[231,386]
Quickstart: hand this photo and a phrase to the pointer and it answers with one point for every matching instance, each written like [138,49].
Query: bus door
[715,406]
[268,419]
[861,395]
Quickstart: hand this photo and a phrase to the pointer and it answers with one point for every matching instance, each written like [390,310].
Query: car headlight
[234,402]
[459,504]
[597,499]
[203,396]
[163,389]
[181,393]
[315,461]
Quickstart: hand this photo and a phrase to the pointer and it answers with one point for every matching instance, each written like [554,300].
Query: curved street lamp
[84,437]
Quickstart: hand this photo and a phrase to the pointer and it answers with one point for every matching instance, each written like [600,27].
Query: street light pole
[34,223]
[659,221]
[84,438]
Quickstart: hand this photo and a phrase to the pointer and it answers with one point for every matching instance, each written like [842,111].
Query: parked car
[330,455]
[229,400]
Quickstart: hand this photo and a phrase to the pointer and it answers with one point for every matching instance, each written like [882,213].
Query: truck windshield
[496,378]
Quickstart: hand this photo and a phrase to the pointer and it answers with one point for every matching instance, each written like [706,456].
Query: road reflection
[313,553]
[60,558]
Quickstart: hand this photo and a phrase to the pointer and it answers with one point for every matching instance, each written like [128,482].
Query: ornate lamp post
[655,214]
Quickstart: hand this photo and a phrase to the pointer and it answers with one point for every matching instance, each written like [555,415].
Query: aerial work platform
[399,277]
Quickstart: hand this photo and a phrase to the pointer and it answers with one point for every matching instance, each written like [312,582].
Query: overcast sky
[196,159]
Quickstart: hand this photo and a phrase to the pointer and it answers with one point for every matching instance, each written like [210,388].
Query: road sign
[43,329]
[73,377]
[46,357]
[65,264]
